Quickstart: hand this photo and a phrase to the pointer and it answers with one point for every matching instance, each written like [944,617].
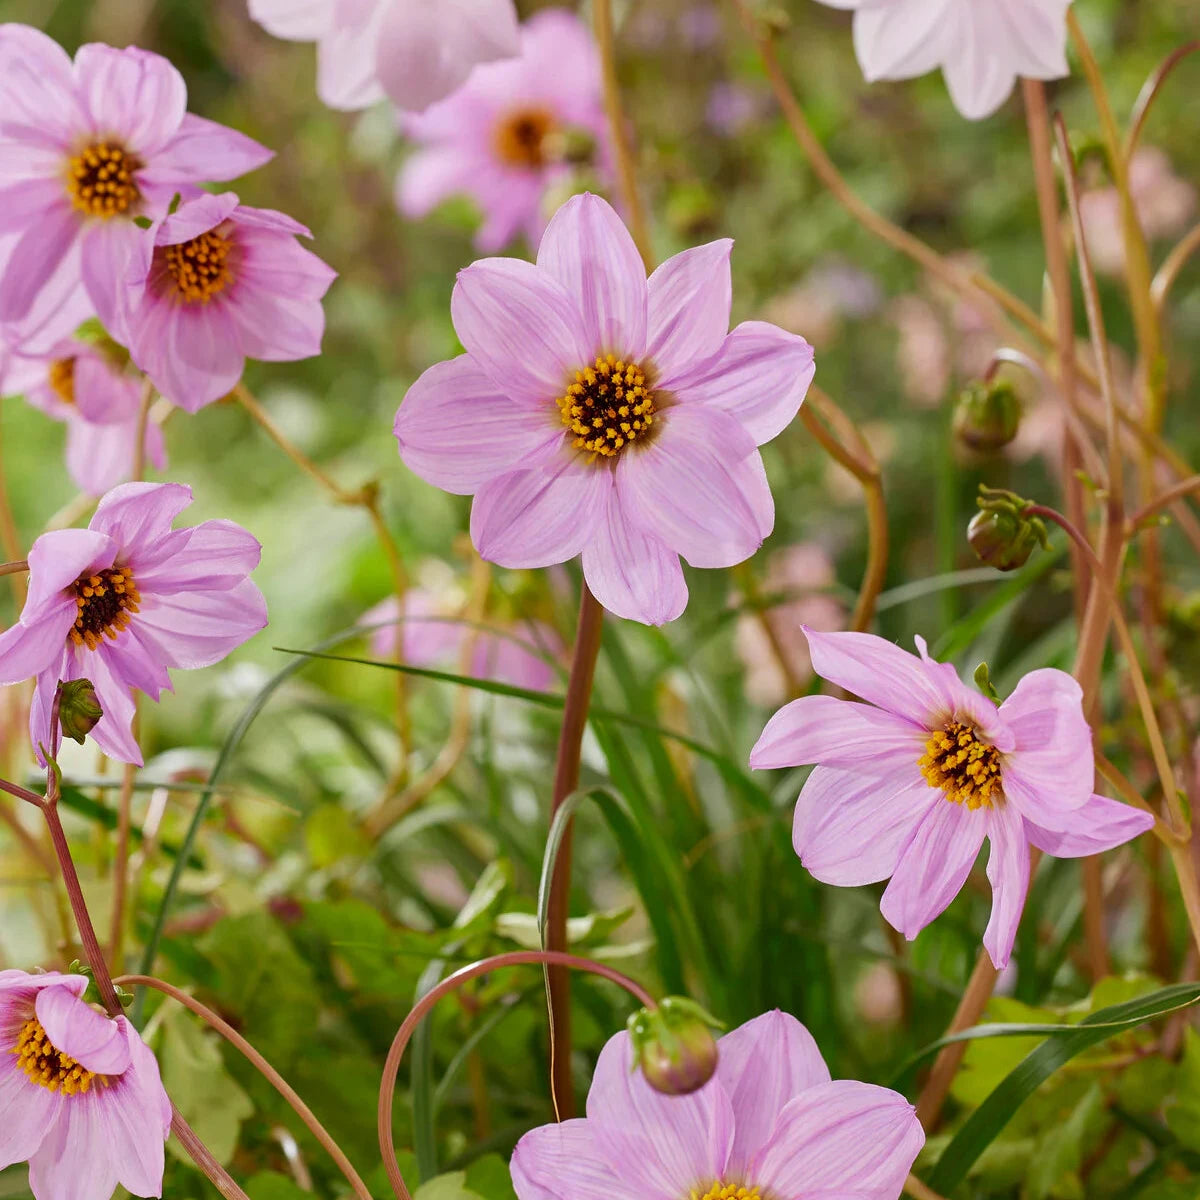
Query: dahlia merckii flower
[412,51]
[100,403]
[504,137]
[85,149]
[908,785]
[601,414]
[80,1095]
[216,283]
[123,600]
[982,46]
[770,1125]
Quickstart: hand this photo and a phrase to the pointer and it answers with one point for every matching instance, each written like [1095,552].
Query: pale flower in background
[833,292]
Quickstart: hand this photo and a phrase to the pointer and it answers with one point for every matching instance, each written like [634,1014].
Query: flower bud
[78,709]
[674,1046]
[987,415]
[1001,534]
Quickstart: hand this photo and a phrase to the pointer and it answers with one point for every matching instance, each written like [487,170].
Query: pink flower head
[599,413]
[216,283]
[100,403]
[503,137]
[431,636]
[908,785]
[982,46]
[121,601]
[412,51]
[770,1123]
[80,1095]
[85,148]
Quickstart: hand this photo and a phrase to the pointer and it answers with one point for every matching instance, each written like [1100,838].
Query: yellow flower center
[521,139]
[608,406]
[964,767]
[199,270]
[100,180]
[48,1067]
[62,379]
[105,602]
[726,1191]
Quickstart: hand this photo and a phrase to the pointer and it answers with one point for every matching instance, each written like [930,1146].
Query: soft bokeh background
[311,935]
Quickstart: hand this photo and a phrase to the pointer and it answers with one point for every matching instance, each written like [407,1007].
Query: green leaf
[270,1185]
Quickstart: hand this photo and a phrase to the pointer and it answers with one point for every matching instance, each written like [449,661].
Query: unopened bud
[674,1045]
[78,709]
[988,415]
[1001,534]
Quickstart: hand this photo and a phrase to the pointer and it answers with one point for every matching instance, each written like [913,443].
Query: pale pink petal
[964,703]
[457,430]
[59,558]
[202,150]
[196,629]
[104,395]
[1008,873]
[195,216]
[587,248]
[24,202]
[33,645]
[75,1159]
[430,176]
[562,1162]
[75,1028]
[1101,824]
[273,325]
[192,353]
[101,456]
[132,95]
[842,1140]
[850,830]
[139,513]
[933,866]
[37,86]
[760,375]
[137,1113]
[346,64]
[521,326]
[543,516]
[632,573]
[214,556]
[838,733]
[37,258]
[296,20]
[763,1065]
[113,733]
[903,39]
[27,1113]
[690,298]
[979,70]
[106,250]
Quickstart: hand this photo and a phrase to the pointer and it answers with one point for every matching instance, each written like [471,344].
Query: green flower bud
[1001,534]
[987,415]
[674,1045]
[78,709]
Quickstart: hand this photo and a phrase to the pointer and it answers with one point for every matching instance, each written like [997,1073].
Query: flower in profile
[81,1099]
[411,51]
[508,136]
[89,146]
[909,784]
[84,386]
[770,1123]
[599,413]
[215,283]
[982,46]
[127,598]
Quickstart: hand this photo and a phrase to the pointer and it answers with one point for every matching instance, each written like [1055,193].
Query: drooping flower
[908,785]
[85,149]
[127,598]
[100,403]
[411,51]
[601,414]
[982,46]
[215,283]
[431,633]
[81,1099]
[505,137]
[770,1123]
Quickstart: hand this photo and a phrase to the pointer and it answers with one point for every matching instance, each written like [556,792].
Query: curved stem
[203,1158]
[391,1068]
[264,1068]
[14,568]
[1149,93]
[1173,264]
[1185,487]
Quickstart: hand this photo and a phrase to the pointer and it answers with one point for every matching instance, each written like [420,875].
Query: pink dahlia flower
[123,600]
[770,1122]
[504,137]
[100,404]
[80,1095]
[85,148]
[599,413]
[216,283]
[908,785]
[412,51]
[982,46]
[430,636]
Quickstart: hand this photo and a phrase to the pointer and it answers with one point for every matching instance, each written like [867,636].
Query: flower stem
[387,1091]
[14,568]
[143,423]
[1173,264]
[1185,487]
[566,781]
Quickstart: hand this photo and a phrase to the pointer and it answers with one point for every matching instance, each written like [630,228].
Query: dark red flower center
[105,602]
[962,765]
[608,406]
[522,138]
[198,270]
[100,180]
[51,1068]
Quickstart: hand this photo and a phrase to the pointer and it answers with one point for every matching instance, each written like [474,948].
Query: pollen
[62,379]
[608,406]
[105,602]
[200,269]
[726,1191]
[522,138]
[100,180]
[48,1067]
[963,766]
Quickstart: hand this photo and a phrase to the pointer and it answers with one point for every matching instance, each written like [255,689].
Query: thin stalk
[121,863]
[14,568]
[1173,264]
[566,781]
[1150,92]
[143,422]
[391,1067]
[1185,487]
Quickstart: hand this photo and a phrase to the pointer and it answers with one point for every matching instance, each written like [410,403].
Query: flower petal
[1101,824]
[113,733]
[139,513]
[28,649]
[27,1113]
[903,40]
[75,1028]
[39,259]
[1008,873]
[106,250]
[59,558]
[202,150]
[215,556]
[131,94]
[37,86]
[691,295]
[295,20]
[139,1118]
[75,1158]
[562,1162]
[196,629]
